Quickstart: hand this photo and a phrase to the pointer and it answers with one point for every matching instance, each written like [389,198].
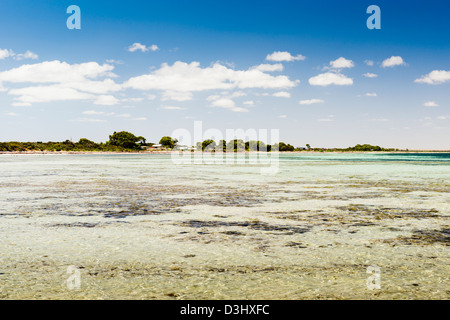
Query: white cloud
[124,115]
[60,81]
[370,63]
[181,79]
[113,61]
[282,94]
[310,101]
[140,119]
[443,117]
[430,104]
[370,75]
[435,77]
[283,116]
[11,114]
[370,94]
[172,108]
[341,63]
[237,94]
[269,67]
[6,53]
[249,103]
[284,56]
[133,99]
[39,94]
[176,96]
[224,103]
[239,109]
[106,100]
[393,61]
[213,97]
[329,78]
[143,48]
[27,55]
[92,112]
[56,72]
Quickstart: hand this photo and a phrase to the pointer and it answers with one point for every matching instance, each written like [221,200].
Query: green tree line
[127,142]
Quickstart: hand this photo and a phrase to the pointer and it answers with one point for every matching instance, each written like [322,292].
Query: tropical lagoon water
[144,227]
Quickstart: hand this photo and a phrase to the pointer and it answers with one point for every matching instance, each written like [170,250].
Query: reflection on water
[142,227]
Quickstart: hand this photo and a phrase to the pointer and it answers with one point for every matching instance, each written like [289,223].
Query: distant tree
[283,147]
[124,139]
[168,142]
[88,144]
[208,145]
[255,146]
[221,146]
[308,146]
[366,147]
[236,145]
[142,141]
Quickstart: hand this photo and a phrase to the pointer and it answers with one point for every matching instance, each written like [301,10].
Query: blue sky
[311,69]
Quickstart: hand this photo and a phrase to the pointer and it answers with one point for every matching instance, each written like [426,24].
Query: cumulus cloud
[106,100]
[369,94]
[93,113]
[227,103]
[435,77]
[282,94]
[224,103]
[430,104]
[27,55]
[38,94]
[393,61]
[172,108]
[249,103]
[56,72]
[329,78]
[370,75]
[310,101]
[143,48]
[60,81]
[6,53]
[185,78]
[269,67]
[341,63]
[370,63]
[284,56]
[176,96]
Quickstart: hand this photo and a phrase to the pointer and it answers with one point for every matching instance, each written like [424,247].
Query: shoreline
[198,152]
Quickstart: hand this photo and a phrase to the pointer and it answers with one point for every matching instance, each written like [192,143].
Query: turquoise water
[144,227]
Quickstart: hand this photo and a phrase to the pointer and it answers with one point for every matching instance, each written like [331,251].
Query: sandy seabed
[136,228]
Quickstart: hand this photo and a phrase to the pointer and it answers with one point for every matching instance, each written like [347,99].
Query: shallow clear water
[143,227]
